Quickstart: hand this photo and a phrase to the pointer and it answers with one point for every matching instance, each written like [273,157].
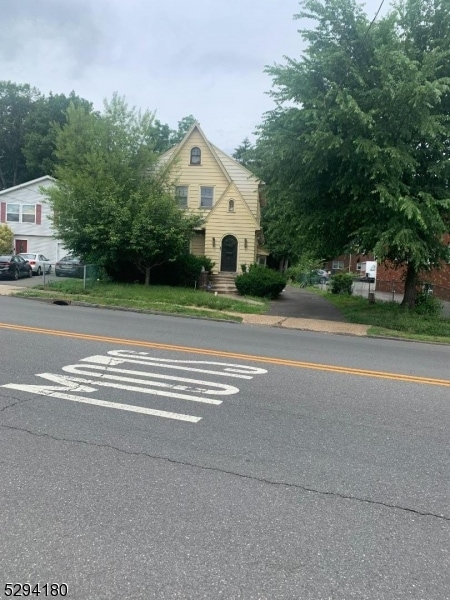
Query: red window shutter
[38,214]
[3,212]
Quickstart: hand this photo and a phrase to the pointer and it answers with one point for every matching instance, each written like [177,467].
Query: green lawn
[152,298]
[390,319]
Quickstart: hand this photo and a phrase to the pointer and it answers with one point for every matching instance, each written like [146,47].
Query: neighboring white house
[25,210]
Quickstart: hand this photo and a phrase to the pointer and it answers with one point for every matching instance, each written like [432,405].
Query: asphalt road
[172,458]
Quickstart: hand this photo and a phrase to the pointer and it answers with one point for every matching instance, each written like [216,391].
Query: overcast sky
[175,57]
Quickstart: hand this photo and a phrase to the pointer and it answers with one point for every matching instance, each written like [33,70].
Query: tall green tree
[243,153]
[283,231]
[359,141]
[112,203]
[183,127]
[41,127]
[16,104]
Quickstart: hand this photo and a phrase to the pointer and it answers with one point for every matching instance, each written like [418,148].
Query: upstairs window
[29,213]
[23,213]
[181,194]
[13,213]
[196,155]
[206,197]
[231,206]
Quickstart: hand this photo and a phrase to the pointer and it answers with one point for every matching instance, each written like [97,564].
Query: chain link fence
[90,274]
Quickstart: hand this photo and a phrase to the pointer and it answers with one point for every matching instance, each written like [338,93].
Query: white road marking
[104,372]
[47,391]
[63,379]
[230,370]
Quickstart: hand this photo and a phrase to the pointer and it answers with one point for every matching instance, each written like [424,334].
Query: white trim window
[337,265]
[196,156]
[21,213]
[181,194]
[206,196]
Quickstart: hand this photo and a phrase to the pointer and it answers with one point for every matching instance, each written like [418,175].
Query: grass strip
[153,298]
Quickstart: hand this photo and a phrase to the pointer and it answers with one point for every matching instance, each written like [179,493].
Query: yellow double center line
[222,354]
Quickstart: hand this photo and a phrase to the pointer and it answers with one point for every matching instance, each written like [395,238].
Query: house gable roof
[28,184]
[232,170]
[233,190]
[171,154]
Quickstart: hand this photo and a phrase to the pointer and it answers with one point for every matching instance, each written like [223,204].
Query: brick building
[390,279]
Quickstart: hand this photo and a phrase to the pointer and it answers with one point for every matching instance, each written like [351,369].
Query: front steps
[223,283]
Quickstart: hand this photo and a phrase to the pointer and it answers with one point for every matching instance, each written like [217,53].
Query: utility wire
[375,17]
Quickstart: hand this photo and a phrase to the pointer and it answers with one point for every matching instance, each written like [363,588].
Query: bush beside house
[260,281]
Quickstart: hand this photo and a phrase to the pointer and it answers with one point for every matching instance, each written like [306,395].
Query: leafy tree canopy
[16,102]
[112,205]
[27,131]
[359,141]
[29,123]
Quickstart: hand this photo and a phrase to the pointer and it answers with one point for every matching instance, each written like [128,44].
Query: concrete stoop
[223,283]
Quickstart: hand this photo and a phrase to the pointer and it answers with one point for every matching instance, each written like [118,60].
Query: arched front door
[228,259]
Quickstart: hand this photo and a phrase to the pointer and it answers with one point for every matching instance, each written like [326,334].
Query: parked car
[38,262]
[13,266]
[313,277]
[320,274]
[69,266]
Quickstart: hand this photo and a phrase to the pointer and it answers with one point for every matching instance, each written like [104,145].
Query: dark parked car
[69,266]
[314,277]
[13,266]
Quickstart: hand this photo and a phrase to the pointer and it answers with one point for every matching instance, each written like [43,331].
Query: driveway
[299,303]
[28,282]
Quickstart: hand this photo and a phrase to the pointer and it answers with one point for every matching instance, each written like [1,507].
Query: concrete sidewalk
[319,325]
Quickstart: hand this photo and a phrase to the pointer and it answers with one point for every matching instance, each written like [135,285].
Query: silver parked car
[38,262]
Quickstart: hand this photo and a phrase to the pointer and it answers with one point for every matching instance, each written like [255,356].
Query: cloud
[37,30]
[204,58]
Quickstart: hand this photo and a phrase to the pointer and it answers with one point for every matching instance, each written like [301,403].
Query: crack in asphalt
[16,401]
[234,473]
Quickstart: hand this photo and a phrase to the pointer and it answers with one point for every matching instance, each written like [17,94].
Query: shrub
[6,239]
[260,281]
[341,283]
[183,272]
[427,304]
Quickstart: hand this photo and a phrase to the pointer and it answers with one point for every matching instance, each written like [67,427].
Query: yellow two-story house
[226,195]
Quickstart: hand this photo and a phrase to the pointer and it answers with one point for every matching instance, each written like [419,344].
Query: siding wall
[198,244]
[208,173]
[239,223]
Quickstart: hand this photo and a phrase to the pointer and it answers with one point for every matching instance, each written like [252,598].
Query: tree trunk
[147,276]
[409,298]
[284,263]
[2,181]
